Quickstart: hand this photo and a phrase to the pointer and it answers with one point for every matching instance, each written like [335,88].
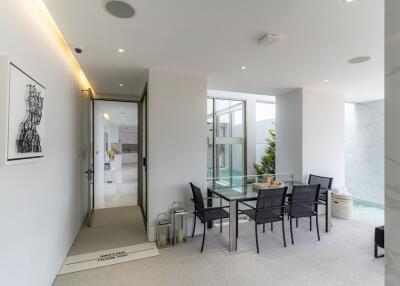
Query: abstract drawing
[29,138]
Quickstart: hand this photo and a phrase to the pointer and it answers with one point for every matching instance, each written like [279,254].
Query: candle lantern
[179,222]
[163,230]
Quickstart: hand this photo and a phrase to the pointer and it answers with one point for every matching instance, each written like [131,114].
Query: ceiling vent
[268,39]
[120,9]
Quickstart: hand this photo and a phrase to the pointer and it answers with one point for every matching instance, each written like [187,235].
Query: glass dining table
[243,189]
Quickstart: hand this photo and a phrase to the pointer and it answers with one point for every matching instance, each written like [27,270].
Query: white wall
[40,202]
[289,114]
[310,134]
[392,144]
[365,151]
[177,139]
[324,135]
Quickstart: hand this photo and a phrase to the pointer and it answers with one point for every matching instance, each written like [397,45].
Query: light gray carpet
[343,257]
[111,228]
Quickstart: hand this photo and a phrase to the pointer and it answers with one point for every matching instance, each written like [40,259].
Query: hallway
[111,228]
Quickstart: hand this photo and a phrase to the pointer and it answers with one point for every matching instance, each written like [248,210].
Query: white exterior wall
[177,140]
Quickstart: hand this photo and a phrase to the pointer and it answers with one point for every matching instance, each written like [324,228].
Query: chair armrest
[308,203]
[213,208]
[210,198]
[248,205]
[271,208]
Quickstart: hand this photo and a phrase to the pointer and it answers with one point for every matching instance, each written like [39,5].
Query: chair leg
[220,221]
[272,226]
[194,225]
[256,231]
[204,236]
[291,230]
[310,223]
[316,219]
[283,232]
[237,220]
[263,227]
[326,215]
[297,222]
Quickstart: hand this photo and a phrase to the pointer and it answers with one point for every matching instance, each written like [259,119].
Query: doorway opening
[115,154]
[112,160]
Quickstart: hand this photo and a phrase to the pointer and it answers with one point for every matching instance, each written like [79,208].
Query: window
[265,117]
[226,139]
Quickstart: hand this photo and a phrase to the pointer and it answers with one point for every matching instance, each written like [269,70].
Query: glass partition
[226,139]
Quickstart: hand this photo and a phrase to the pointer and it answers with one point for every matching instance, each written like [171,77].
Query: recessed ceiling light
[326,81]
[121,85]
[120,9]
[359,60]
[348,1]
[243,67]
[121,50]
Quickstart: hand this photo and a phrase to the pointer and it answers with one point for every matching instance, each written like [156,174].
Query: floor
[111,228]
[122,190]
[342,257]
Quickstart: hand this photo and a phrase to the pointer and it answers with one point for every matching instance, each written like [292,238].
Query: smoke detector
[269,39]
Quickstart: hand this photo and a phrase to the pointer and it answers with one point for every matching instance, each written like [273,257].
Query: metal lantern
[163,230]
[179,222]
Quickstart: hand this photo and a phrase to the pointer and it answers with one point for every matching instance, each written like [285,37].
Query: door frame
[143,150]
[87,167]
[94,168]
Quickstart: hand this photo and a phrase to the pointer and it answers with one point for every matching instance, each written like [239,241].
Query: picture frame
[22,111]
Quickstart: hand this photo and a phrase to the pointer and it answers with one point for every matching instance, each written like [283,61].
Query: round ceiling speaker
[120,9]
[359,60]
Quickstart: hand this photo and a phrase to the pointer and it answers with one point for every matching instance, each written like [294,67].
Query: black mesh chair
[303,203]
[326,184]
[204,214]
[269,209]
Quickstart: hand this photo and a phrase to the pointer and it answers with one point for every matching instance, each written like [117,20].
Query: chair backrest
[325,182]
[269,202]
[197,197]
[304,197]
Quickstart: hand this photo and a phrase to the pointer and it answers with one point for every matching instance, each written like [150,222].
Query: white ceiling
[121,113]
[216,38]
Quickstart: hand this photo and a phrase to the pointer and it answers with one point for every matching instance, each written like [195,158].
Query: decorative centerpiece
[267,183]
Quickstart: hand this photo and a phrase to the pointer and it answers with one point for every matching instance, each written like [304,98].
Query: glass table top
[245,191]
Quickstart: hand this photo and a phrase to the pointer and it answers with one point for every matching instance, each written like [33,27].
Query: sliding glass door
[226,140]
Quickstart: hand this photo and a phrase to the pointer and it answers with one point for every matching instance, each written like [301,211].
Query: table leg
[232,226]
[328,210]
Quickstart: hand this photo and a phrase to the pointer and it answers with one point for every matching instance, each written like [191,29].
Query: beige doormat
[108,257]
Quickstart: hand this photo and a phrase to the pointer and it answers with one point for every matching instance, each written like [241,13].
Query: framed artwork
[24,121]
